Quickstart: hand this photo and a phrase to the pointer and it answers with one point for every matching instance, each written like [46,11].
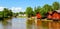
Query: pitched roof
[58,11]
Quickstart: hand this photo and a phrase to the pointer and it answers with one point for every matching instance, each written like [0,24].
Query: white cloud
[1,8]
[14,9]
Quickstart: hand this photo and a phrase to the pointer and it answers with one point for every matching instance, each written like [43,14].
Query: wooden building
[54,15]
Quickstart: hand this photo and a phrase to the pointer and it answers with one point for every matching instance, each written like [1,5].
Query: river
[23,23]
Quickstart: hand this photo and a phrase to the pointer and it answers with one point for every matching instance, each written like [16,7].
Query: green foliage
[59,5]
[21,12]
[47,8]
[55,5]
[43,10]
[37,9]
[29,11]
[1,14]
[10,13]
[6,13]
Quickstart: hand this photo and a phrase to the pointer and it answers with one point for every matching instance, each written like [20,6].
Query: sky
[20,5]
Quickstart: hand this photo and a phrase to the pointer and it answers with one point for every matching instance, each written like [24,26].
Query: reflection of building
[54,25]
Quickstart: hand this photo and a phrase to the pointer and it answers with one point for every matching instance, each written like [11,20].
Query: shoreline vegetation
[7,13]
[43,10]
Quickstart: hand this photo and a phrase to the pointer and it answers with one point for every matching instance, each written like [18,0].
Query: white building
[22,15]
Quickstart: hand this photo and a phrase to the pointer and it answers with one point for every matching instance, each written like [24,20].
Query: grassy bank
[21,16]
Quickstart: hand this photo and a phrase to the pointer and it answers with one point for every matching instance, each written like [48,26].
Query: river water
[23,23]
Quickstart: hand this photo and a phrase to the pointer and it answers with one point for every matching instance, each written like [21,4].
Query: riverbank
[21,16]
[5,18]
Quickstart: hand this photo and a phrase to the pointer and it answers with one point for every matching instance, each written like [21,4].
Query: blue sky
[22,4]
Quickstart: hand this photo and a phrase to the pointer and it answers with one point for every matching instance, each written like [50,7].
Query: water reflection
[19,23]
[30,24]
[23,23]
[6,24]
[54,25]
[45,24]
[50,25]
[39,24]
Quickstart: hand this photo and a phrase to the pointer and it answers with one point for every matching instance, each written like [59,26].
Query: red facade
[49,16]
[38,16]
[54,15]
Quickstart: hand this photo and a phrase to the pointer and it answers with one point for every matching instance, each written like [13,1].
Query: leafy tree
[1,14]
[29,11]
[10,13]
[55,5]
[7,12]
[21,12]
[59,5]
[37,9]
[47,8]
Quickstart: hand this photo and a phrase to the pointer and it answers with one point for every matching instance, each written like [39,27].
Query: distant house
[54,15]
[22,15]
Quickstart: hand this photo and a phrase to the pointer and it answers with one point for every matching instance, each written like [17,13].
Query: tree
[29,11]
[55,5]
[10,13]
[21,12]
[1,14]
[7,12]
[59,5]
[47,8]
[37,9]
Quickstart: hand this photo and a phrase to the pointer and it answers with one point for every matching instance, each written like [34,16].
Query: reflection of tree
[45,24]
[30,24]
[6,24]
